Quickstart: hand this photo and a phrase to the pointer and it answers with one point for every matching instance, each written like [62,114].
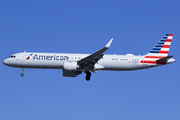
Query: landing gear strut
[88,75]
[22,74]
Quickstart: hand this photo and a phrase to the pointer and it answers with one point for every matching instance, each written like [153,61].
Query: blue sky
[84,27]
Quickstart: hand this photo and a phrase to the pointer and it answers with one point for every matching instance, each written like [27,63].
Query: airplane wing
[90,60]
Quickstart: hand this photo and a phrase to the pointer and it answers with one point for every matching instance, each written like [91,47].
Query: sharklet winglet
[109,43]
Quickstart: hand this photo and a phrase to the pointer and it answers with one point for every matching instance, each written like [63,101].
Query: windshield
[12,56]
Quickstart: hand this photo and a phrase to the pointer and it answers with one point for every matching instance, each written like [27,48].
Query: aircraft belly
[39,64]
[123,66]
[46,64]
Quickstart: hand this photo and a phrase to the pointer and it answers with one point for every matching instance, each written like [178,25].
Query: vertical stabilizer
[160,51]
[162,47]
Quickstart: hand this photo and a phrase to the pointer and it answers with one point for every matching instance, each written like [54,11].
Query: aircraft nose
[5,62]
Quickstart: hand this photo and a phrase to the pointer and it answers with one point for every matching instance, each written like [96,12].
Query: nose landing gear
[22,74]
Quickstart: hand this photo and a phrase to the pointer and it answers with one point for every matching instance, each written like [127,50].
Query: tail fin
[162,47]
[159,53]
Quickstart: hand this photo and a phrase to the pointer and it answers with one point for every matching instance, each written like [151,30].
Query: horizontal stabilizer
[165,58]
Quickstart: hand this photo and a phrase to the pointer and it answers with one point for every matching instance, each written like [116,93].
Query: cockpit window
[12,56]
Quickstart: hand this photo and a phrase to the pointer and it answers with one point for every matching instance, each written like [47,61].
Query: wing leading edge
[95,57]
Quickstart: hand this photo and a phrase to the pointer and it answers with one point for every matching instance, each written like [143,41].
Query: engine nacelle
[70,66]
[67,73]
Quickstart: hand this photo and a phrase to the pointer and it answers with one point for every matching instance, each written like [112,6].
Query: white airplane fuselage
[75,64]
[57,60]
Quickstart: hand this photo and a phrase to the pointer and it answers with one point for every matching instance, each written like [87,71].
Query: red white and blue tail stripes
[160,50]
[162,47]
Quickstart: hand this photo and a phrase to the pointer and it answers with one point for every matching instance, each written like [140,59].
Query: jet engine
[70,69]
[70,66]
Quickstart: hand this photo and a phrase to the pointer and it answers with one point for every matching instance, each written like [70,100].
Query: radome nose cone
[5,62]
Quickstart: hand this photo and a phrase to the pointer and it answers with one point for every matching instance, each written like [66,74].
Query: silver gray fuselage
[56,61]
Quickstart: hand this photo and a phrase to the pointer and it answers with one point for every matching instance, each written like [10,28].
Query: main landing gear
[22,74]
[88,75]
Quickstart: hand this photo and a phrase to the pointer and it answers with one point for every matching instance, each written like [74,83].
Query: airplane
[75,64]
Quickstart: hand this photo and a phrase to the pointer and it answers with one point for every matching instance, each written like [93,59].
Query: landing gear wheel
[22,74]
[88,76]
